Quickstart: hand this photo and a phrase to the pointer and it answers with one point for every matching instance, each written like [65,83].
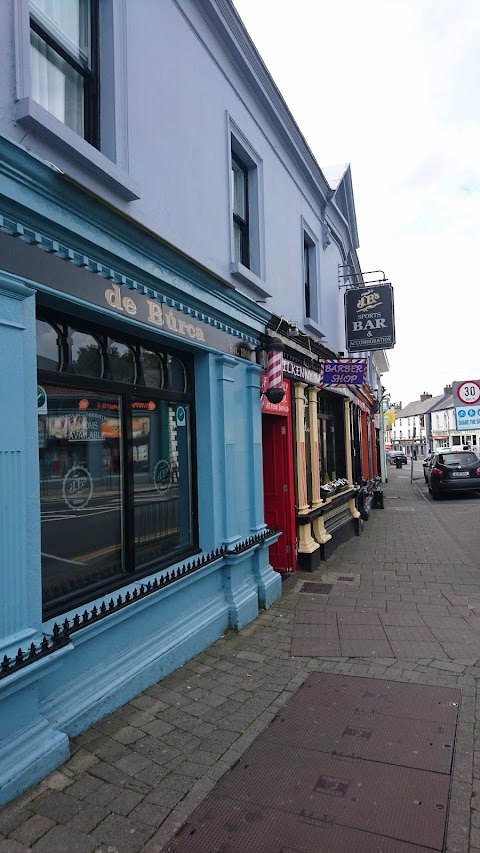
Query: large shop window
[331,435]
[115,449]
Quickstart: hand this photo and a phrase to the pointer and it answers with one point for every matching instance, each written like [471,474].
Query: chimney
[426,396]
[447,390]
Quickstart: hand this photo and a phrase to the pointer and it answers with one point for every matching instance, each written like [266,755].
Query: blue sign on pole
[466,395]
[343,371]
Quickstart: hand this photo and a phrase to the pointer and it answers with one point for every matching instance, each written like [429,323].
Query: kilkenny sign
[369,318]
[466,402]
[344,371]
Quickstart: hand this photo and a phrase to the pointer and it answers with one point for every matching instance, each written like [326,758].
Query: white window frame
[110,164]
[254,275]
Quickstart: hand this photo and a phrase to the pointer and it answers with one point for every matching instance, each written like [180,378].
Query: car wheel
[435,495]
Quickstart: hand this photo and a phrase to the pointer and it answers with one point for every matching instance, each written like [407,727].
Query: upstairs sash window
[63,62]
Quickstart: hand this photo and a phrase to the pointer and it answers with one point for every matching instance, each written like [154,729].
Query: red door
[277,486]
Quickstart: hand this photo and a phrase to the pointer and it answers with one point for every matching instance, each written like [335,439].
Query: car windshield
[457,458]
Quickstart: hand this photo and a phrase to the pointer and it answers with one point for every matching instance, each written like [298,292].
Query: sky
[393,88]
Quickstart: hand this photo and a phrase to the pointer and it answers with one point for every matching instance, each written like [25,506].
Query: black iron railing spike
[19,657]
[111,604]
[5,667]
[44,644]
[33,651]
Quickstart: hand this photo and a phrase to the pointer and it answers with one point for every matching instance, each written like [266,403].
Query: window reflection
[48,349]
[162,487]
[177,375]
[122,362]
[153,369]
[86,355]
[80,490]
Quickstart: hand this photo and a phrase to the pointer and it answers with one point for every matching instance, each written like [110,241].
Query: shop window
[162,492]
[177,375]
[331,433]
[80,490]
[49,351]
[153,369]
[63,63]
[121,360]
[86,357]
[115,463]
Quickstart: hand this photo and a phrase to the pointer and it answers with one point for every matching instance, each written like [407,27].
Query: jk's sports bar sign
[369,318]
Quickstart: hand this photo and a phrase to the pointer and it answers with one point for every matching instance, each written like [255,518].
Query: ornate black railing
[61,635]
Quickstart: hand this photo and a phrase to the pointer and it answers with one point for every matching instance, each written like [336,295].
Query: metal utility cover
[319,588]
[291,794]
[226,825]
[378,697]
[426,745]
[408,805]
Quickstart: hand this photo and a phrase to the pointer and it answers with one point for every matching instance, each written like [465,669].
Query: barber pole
[274,363]
[275,391]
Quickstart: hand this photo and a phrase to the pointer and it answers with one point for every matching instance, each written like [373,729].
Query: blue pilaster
[254,374]
[225,367]
[29,746]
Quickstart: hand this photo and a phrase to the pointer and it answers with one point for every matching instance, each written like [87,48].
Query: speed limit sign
[468,392]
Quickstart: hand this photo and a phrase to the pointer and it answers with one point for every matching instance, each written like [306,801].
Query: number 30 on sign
[469,392]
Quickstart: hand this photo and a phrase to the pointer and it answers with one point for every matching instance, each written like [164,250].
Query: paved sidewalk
[135,777]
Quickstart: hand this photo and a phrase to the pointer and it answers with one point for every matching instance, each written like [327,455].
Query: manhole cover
[319,588]
[345,578]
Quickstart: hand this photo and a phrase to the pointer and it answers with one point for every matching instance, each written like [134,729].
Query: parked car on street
[453,471]
[427,461]
[397,454]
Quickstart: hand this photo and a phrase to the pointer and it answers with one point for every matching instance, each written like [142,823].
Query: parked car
[453,471]
[427,461]
[397,454]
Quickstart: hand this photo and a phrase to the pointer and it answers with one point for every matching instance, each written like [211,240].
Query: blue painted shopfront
[131,466]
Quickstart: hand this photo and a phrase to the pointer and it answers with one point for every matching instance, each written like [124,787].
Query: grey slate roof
[421,407]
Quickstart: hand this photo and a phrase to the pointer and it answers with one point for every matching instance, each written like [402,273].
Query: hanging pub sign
[344,371]
[369,318]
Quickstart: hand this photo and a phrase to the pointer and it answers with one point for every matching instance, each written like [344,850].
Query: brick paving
[409,612]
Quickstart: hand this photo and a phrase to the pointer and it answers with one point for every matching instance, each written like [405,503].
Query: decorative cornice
[87,216]
[69,253]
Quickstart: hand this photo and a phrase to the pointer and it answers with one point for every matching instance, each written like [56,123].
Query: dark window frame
[127,392]
[90,75]
[243,224]
[307,276]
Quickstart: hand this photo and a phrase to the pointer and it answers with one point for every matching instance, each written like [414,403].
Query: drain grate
[319,588]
